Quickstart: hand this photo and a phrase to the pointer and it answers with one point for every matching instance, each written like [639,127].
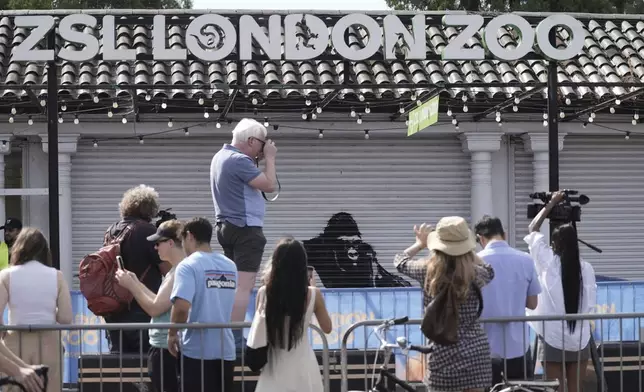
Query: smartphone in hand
[120,261]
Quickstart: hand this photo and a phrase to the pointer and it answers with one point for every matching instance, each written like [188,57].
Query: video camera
[164,215]
[564,211]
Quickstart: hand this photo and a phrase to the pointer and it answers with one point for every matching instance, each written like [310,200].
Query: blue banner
[348,306]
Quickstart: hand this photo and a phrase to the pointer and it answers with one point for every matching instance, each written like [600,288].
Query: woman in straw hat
[465,366]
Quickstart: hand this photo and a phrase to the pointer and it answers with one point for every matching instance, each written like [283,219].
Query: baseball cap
[12,223]
[161,234]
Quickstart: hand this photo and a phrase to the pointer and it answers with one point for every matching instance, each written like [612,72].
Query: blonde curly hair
[141,202]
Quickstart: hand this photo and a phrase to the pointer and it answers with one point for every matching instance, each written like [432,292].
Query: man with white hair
[236,184]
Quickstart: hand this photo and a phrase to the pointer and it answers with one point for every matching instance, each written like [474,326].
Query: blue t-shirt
[208,281]
[236,201]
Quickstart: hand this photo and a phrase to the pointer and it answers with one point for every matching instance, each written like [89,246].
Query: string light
[254,101]
[449,111]
[215,106]
[517,100]
[454,121]
[148,97]
[361,98]
[353,113]
[218,125]
[464,97]
[304,116]
[110,114]
[562,114]
[545,123]
[200,101]
[205,114]
[95,143]
[60,118]
[465,109]
[43,102]
[401,109]
[568,101]
[95,99]
[13,110]
[307,102]
[164,105]
[318,109]
[545,115]
[170,123]
[314,116]
[115,104]
[321,134]
[612,110]
[591,119]
[5,145]
[366,135]
[627,136]
[186,132]
[76,120]
[618,102]
[359,121]
[10,119]
[30,121]
[498,117]
[413,96]
[367,109]
[515,108]
[266,124]
[124,120]
[141,140]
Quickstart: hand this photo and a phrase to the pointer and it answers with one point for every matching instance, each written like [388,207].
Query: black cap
[161,234]
[11,223]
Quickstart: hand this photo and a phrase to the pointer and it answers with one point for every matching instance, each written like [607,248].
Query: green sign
[423,116]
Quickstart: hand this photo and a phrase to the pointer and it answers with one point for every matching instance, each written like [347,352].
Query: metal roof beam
[506,103]
[603,105]
[229,104]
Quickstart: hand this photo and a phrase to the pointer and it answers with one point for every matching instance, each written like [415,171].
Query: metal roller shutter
[388,185]
[13,179]
[523,185]
[609,170]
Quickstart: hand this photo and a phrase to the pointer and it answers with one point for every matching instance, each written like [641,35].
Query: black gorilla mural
[342,260]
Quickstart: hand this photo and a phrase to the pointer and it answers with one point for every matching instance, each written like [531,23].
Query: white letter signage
[299,37]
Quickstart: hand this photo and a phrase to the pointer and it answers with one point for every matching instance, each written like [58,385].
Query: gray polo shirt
[236,201]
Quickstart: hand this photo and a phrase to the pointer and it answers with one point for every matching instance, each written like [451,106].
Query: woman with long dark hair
[569,287]
[289,303]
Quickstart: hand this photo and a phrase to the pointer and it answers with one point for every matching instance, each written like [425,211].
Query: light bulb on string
[359,121]
[592,114]
[124,120]
[634,121]
[95,99]
[517,100]
[545,123]
[401,109]
[568,101]
[200,101]
[500,123]
[361,98]
[110,114]
[186,132]
[456,125]
[13,110]
[30,121]
[366,135]
[353,113]
[95,144]
[307,102]
[636,116]
[464,97]
[367,109]
[515,108]
[164,105]
[418,103]
[170,123]
[266,124]
[498,118]
[449,112]
[618,102]
[148,97]
[218,125]
[314,116]
[76,119]
[215,106]
[141,140]
[11,120]
[413,96]
[206,114]
[562,114]
[406,123]
[60,118]
[43,102]
[612,110]
[63,106]
[545,116]
[304,116]
[465,109]
[591,119]
[454,121]
[318,109]
[115,104]
[627,136]
[320,135]
[254,101]
[498,114]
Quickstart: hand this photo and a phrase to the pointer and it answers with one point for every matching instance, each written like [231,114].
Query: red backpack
[97,275]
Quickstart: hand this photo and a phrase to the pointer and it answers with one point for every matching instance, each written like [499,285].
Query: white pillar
[537,144]
[481,145]
[66,147]
[5,149]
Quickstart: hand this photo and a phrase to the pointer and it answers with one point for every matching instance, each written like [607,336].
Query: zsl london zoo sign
[212,37]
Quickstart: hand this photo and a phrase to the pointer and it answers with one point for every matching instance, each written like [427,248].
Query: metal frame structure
[231,92]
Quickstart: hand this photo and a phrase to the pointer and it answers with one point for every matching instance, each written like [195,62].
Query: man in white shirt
[514,288]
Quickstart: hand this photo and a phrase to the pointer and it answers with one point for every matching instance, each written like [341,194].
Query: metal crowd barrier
[39,343]
[616,362]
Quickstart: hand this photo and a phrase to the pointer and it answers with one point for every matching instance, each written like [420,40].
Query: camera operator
[236,184]
[568,287]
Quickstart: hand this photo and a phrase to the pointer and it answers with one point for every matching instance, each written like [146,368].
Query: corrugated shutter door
[609,170]
[523,186]
[13,179]
[388,185]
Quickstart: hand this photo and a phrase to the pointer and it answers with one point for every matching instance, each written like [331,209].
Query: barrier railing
[99,371]
[616,361]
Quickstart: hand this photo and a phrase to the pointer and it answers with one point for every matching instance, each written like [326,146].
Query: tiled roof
[613,52]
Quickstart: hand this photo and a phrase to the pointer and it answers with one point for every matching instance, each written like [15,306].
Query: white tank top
[33,293]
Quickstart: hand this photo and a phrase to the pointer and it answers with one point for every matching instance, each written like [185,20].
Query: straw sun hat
[452,236]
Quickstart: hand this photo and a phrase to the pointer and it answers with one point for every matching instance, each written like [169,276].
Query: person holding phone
[236,185]
[162,367]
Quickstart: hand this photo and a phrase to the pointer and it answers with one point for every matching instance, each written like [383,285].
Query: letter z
[25,51]
[455,49]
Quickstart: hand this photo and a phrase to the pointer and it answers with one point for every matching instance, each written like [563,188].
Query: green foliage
[587,6]
[94,4]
